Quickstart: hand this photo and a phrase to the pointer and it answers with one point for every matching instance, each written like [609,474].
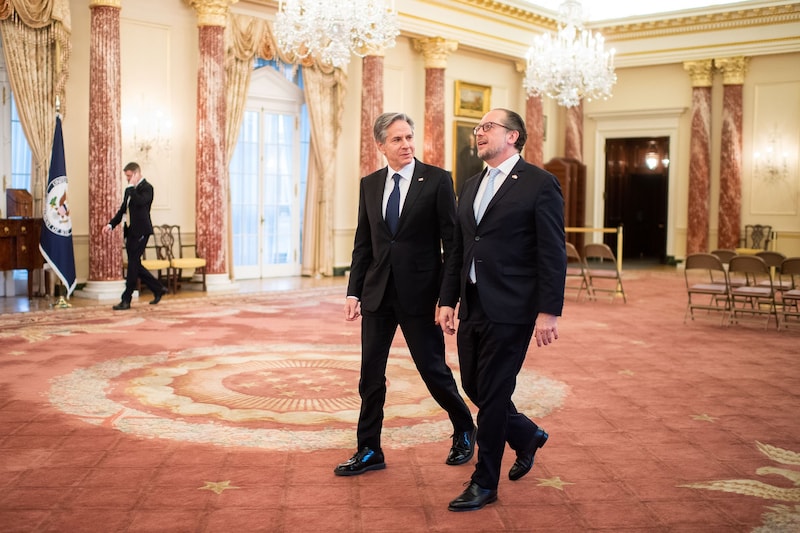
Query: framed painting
[466,162]
[472,100]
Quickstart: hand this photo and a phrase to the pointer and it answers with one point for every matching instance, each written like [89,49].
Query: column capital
[211,12]
[733,69]
[435,50]
[701,72]
[105,3]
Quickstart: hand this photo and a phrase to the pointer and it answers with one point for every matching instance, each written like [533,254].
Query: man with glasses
[406,213]
[510,245]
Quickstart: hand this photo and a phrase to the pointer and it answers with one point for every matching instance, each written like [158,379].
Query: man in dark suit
[406,214]
[138,228]
[512,256]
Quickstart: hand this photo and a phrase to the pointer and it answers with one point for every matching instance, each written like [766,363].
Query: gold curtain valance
[37,13]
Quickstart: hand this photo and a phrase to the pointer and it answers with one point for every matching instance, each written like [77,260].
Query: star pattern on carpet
[626,372]
[554,482]
[704,418]
[218,487]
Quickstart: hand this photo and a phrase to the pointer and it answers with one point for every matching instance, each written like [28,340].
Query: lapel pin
[420,179]
[513,176]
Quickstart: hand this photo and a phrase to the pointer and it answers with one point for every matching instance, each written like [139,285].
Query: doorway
[267,180]
[637,196]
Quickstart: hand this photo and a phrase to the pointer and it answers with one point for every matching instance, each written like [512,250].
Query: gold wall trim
[703,23]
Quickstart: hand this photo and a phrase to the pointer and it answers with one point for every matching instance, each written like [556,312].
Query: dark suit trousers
[135,248]
[491,356]
[426,343]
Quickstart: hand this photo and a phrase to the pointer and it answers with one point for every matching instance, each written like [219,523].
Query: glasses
[486,126]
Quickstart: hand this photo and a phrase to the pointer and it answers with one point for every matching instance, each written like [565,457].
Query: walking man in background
[137,230]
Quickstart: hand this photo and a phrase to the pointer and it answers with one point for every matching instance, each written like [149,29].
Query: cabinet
[19,246]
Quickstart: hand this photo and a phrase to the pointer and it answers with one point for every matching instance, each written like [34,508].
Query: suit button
[477,238]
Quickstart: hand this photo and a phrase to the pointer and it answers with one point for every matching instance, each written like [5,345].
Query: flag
[56,240]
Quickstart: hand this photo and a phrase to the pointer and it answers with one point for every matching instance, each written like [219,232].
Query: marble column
[435,51]
[573,141]
[211,179]
[699,156]
[371,108]
[534,122]
[730,171]
[105,152]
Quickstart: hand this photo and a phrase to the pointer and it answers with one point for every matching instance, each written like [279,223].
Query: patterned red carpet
[229,413]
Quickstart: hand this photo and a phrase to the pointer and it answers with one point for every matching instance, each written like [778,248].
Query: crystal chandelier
[332,30]
[571,65]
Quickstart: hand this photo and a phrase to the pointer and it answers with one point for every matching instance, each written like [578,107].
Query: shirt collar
[407,172]
[508,165]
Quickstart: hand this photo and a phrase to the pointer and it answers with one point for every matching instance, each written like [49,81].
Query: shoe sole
[477,508]
[379,466]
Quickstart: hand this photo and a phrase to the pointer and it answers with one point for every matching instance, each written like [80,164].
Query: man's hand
[352,309]
[107,228]
[546,329]
[446,318]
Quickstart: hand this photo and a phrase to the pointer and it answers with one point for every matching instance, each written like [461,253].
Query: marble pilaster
[573,142]
[534,121]
[435,51]
[700,157]
[212,174]
[105,152]
[371,108]
[730,174]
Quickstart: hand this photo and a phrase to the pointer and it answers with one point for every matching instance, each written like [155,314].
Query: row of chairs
[595,270]
[168,256]
[741,287]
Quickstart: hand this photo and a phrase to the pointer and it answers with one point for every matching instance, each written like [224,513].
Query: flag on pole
[56,240]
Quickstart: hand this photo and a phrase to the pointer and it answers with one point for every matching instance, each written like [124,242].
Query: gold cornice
[105,3]
[516,13]
[745,18]
[733,69]
[211,12]
[435,50]
[701,72]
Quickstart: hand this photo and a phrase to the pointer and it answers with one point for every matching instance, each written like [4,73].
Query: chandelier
[571,65]
[332,30]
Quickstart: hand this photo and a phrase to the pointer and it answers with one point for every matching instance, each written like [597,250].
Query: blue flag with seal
[56,240]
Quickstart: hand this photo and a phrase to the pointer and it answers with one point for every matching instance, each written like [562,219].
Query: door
[636,196]
[265,181]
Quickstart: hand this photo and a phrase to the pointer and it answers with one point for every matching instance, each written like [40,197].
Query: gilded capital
[733,69]
[701,72]
[211,12]
[105,3]
[435,50]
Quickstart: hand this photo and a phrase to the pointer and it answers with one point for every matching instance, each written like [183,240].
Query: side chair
[576,270]
[706,285]
[602,270]
[756,299]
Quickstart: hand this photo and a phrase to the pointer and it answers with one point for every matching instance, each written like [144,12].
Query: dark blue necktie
[393,206]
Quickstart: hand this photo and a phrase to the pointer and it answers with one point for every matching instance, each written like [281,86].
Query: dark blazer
[141,198]
[415,255]
[519,247]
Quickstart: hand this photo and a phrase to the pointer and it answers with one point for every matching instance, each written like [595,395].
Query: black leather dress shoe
[524,461]
[472,499]
[364,460]
[122,306]
[463,447]
[159,294]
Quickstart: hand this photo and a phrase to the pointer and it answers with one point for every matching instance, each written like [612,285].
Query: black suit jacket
[518,247]
[415,255]
[137,201]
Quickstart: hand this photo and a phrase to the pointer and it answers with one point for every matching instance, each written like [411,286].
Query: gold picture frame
[472,100]
[466,162]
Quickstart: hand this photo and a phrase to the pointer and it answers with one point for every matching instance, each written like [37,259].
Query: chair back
[724,255]
[772,259]
[572,254]
[790,271]
[757,236]
[166,241]
[748,264]
[598,251]
[701,261]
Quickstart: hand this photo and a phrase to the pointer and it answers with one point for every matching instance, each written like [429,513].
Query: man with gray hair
[403,240]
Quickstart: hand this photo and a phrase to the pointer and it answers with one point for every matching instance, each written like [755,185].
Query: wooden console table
[19,246]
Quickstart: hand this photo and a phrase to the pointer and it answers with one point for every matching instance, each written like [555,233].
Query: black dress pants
[134,246]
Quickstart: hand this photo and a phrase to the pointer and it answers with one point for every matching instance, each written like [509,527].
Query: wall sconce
[651,157]
[770,166]
[151,131]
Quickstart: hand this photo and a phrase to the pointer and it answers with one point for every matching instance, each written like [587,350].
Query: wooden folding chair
[702,274]
[757,298]
[576,270]
[790,298]
[602,270]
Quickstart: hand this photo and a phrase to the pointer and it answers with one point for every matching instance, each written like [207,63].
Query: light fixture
[151,130]
[332,30]
[651,156]
[771,166]
[571,65]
